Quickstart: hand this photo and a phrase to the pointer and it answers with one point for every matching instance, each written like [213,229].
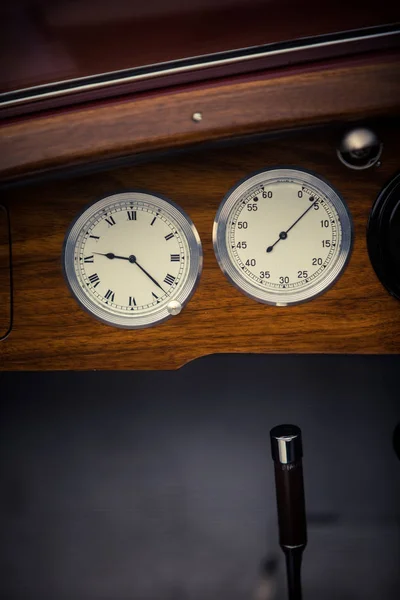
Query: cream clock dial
[282,236]
[132,259]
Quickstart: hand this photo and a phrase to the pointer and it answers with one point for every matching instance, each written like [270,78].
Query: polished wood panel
[5,274]
[280,99]
[51,331]
[64,95]
[52,41]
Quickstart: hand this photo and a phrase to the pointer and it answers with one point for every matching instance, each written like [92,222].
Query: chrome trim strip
[93,82]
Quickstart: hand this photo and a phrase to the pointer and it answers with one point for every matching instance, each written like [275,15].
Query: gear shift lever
[287,453]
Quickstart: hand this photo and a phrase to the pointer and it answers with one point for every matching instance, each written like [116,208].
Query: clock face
[132,259]
[282,236]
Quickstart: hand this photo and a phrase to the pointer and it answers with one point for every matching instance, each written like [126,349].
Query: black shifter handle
[287,454]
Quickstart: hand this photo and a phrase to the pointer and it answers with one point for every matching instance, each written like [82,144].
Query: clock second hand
[133,261]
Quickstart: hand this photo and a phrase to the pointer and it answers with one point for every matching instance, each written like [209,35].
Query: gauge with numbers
[282,236]
[132,259]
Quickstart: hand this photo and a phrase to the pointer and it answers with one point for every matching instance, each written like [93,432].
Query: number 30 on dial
[282,236]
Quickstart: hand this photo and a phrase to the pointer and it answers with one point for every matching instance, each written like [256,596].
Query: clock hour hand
[111,255]
[132,260]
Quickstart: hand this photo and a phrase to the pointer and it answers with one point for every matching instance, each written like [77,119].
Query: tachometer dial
[282,236]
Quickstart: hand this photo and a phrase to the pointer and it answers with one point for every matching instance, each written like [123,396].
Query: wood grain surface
[268,101]
[51,331]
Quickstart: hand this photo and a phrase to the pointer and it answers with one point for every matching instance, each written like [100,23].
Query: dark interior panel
[5,273]
[149,485]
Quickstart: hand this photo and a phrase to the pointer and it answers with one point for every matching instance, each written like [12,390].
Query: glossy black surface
[384,237]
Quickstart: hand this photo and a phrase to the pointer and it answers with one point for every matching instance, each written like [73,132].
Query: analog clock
[132,259]
[282,236]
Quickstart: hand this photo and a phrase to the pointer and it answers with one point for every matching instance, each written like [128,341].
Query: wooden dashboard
[51,332]
[189,130]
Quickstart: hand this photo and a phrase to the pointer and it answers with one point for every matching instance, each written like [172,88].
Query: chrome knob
[360,148]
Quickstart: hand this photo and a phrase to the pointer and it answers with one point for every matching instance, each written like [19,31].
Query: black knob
[287,453]
[396,440]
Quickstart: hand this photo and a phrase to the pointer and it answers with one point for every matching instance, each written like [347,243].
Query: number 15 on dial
[282,236]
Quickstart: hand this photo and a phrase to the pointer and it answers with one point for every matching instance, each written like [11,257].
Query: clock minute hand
[133,261]
[149,276]
[283,234]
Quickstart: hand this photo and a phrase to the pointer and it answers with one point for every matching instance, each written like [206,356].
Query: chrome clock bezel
[182,295]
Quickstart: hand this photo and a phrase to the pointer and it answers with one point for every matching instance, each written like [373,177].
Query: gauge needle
[133,261]
[110,255]
[149,276]
[283,234]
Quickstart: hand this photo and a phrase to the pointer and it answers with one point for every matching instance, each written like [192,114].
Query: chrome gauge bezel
[243,189]
[183,294]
